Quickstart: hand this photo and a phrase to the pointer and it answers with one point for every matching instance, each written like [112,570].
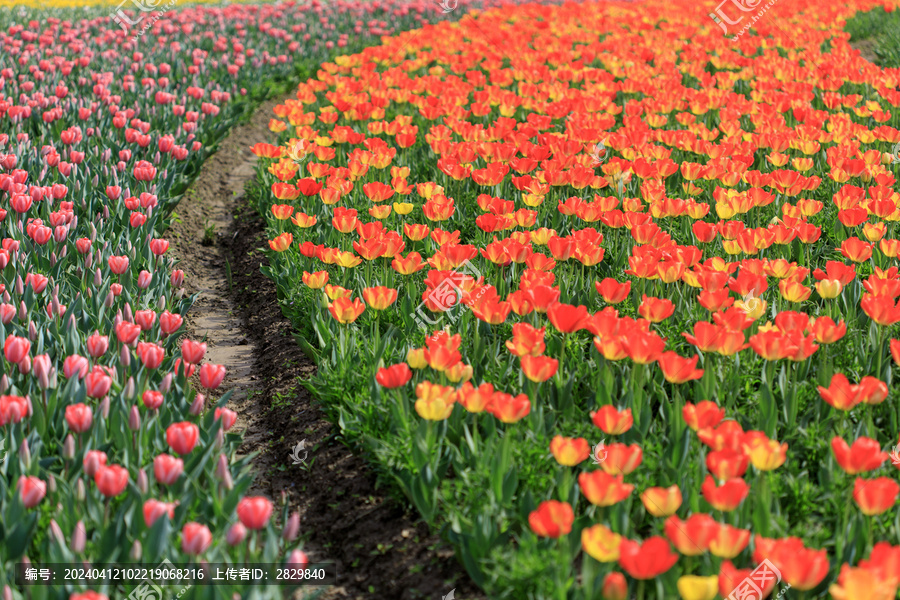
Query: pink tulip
[154,509]
[167,469]
[195,538]
[93,460]
[236,534]
[228,417]
[79,417]
[16,348]
[111,480]
[182,437]
[211,375]
[254,512]
[192,351]
[32,490]
[97,383]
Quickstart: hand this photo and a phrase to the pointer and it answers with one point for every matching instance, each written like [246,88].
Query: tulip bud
[134,419]
[236,534]
[7,593]
[614,587]
[284,498]
[198,405]
[128,314]
[23,312]
[42,370]
[110,300]
[25,455]
[142,482]
[221,467]
[57,533]
[64,252]
[32,331]
[53,259]
[69,447]
[220,439]
[79,538]
[104,407]
[98,277]
[136,551]
[25,365]
[88,261]
[292,527]
[80,492]
[166,383]
[162,302]
[51,484]
[4,384]
[20,285]
[124,354]
[129,388]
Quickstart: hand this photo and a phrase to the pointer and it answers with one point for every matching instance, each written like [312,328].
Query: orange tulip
[612,291]
[602,489]
[569,451]
[704,414]
[315,280]
[507,408]
[539,368]
[601,543]
[662,502]
[622,459]
[282,242]
[611,420]
[380,297]
[864,455]
[677,369]
[346,311]
[729,541]
[875,496]
[656,310]
[692,536]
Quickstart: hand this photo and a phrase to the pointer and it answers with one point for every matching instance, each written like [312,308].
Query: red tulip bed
[612,295]
[115,446]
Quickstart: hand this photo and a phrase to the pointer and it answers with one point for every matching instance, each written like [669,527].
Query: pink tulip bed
[115,443]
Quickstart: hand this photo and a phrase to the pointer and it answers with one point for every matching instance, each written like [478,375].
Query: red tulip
[567,318]
[552,519]
[648,560]
[394,376]
[864,455]
[182,437]
[254,512]
[875,496]
[97,345]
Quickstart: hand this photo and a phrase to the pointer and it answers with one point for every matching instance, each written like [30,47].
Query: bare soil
[382,551]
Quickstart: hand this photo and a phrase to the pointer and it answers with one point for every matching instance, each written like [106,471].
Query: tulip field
[610,291]
[607,290]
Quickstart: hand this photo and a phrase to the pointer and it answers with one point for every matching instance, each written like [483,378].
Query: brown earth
[382,551]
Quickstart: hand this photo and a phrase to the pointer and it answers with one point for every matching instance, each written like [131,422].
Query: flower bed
[607,291]
[113,448]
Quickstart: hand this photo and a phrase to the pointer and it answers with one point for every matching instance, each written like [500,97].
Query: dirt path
[382,552]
